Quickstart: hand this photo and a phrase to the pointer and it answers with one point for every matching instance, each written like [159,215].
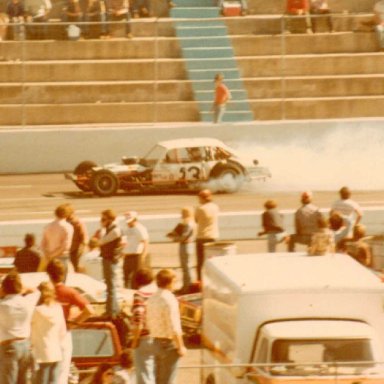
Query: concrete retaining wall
[58,149]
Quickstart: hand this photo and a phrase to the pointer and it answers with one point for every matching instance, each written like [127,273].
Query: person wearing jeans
[16,312]
[164,324]
[142,343]
[184,234]
[110,251]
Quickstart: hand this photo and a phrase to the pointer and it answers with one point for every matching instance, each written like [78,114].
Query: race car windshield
[156,153]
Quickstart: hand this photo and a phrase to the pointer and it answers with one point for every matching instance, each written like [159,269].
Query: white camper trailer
[295,318]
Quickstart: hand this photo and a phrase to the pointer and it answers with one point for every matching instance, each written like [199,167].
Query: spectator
[118,10]
[16,312]
[184,233]
[207,220]
[38,13]
[222,96]
[350,210]
[96,13]
[136,247]
[298,8]
[27,259]
[272,222]
[48,331]
[68,297]
[57,238]
[141,8]
[358,247]
[322,241]
[125,375]
[306,222]
[3,26]
[79,238]
[320,8]
[141,340]
[91,260]
[72,12]
[339,226]
[110,251]
[378,11]
[16,14]
[163,319]
[104,374]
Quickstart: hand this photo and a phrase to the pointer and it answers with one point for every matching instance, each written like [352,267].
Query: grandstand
[164,75]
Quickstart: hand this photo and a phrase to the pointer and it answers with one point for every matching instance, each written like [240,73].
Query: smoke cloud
[345,157]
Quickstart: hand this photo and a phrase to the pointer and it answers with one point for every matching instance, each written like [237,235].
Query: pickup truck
[290,319]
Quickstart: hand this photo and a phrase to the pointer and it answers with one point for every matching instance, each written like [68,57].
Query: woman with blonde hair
[48,329]
[184,233]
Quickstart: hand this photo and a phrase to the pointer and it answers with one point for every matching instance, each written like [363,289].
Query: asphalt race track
[27,197]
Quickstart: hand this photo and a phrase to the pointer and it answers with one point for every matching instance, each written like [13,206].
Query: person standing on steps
[222,96]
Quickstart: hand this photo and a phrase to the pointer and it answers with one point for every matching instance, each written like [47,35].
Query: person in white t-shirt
[136,241]
[348,208]
[47,335]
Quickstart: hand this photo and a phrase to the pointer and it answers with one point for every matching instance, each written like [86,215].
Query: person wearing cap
[136,246]
[348,208]
[27,259]
[222,96]
[306,222]
[110,243]
[207,220]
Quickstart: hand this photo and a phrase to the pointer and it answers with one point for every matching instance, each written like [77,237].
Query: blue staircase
[208,50]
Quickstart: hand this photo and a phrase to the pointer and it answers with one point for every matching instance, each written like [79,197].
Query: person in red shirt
[222,96]
[68,297]
[298,8]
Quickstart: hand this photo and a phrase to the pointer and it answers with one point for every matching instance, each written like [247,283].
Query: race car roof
[193,142]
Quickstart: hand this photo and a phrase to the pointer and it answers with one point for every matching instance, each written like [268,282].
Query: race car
[192,163]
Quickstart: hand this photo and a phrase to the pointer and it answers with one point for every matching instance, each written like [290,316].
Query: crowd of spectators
[38,322]
[341,231]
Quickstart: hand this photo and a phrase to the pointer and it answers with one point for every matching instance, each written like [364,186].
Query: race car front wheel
[228,179]
[104,183]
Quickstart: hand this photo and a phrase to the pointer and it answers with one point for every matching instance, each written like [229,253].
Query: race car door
[181,166]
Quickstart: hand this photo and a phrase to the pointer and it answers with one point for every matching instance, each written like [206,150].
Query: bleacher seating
[145,80]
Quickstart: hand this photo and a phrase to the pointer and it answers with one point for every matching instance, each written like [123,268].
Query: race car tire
[81,169]
[84,167]
[104,183]
[228,179]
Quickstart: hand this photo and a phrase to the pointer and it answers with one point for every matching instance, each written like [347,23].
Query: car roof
[77,280]
[284,272]
[192,142]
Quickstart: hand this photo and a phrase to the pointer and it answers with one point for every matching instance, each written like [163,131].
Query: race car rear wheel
[82,169]
[228,179]
[104,183]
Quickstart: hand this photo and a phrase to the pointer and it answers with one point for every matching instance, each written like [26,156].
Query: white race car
[93,290]
[192,163]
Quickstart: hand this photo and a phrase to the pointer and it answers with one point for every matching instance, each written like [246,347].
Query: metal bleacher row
[165,72]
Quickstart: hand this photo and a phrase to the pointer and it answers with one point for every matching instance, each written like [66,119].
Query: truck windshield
[306,357]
